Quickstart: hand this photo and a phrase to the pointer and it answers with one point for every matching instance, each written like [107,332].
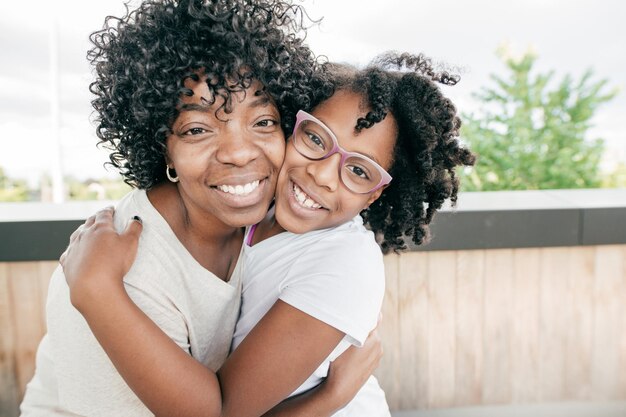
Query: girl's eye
[316,140]
[358,171]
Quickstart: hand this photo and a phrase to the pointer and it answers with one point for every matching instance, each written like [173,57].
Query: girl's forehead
[340,113]
[342,103]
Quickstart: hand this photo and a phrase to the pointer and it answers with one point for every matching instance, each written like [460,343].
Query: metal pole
[58,188]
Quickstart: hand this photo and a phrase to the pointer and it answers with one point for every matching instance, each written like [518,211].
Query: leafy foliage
[531,130]
[11,189]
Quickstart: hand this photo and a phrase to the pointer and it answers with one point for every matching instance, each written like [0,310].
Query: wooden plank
[9,396]
[552,320]
[27,316]
[441,332]
[497,326]
[608,321]
[579,324]
[470,268]
[413,328]
[525,326]
[389,368]
[622,382]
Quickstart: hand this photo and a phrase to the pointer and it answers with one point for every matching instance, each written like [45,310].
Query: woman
[245,57]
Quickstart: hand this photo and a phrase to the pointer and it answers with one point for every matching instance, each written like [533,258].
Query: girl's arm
[346,376]
[274,359]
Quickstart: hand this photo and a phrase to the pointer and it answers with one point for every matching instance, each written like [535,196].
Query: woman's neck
[212,243]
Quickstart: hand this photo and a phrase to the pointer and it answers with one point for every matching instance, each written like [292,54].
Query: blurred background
[517,306]
[542,89]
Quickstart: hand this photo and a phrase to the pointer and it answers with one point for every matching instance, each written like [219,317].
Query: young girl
[313,278]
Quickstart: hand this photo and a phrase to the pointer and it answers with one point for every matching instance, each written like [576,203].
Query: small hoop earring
[169,176]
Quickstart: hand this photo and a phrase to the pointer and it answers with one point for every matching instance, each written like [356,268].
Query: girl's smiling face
[310,194]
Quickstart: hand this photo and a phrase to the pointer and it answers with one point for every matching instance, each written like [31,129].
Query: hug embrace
[244,274]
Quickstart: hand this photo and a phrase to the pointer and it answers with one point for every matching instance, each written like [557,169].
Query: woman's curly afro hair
[427,148]
[142,59]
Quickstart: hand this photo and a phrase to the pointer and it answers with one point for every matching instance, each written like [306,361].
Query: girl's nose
[325,172]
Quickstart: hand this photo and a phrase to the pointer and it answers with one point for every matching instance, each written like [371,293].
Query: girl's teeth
[304,199]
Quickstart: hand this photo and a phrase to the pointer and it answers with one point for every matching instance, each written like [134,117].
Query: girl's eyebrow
[357,152]
[370,157]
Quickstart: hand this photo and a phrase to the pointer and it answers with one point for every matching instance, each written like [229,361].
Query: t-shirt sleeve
[156,302]
[340,280]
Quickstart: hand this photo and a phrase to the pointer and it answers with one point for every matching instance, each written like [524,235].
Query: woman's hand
[351,369]
[98,257]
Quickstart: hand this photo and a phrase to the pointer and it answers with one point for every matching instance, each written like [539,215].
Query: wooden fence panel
[525,326]
[553,283]
[470,271]
[459,328]
[413,322]
[390,365]
[441,329]
[9,387]
[579,331]
[498,299]
[608,315]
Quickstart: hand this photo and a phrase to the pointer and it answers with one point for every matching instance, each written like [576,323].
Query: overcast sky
[568,36]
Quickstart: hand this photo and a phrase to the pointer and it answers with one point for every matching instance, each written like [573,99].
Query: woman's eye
[266,123]
[194,131]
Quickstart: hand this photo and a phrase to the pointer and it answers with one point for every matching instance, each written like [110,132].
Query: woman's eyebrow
[260,101]
[194,107]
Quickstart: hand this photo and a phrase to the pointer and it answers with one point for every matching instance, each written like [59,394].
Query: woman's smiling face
[310,194]
[227,162]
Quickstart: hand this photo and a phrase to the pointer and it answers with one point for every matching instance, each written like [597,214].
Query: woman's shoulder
[132,204]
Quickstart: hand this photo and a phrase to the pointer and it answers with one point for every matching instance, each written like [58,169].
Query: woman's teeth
[239,189]
[304,199]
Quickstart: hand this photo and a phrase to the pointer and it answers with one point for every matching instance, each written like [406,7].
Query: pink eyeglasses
[315,141]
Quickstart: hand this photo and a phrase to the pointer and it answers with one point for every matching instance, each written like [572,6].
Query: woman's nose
[237,147]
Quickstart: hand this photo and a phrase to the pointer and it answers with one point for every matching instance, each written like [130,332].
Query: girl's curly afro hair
[142,59]
[427,149]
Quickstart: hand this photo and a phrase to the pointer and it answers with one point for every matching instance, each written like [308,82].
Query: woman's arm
[165,378]
[94,264]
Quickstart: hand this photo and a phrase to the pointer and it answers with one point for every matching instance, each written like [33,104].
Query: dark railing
[486,220]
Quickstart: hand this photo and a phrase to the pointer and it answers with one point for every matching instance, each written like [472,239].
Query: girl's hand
[98,257]
[351,369]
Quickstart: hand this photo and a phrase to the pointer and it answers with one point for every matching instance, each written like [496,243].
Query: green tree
[11,189]
[530,131]
[616,178]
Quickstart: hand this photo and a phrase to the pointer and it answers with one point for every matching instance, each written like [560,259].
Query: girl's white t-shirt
[335,275]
